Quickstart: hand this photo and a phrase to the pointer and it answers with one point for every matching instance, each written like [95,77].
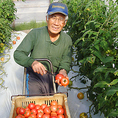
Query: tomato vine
[93,26]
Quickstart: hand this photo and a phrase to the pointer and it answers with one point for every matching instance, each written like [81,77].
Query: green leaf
[87,32]
[104,45]
[116,73]
[100,69]
[100,84]
[115,81]
[112,91]
[107,59]
[116,103]
[115,26]
[114,113]
[98,54]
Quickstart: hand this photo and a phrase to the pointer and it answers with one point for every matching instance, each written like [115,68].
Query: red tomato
[14,42]
[37,106]
[53,117]
[17,110]
[64,82]
[39,115]
[59,77]
[31,105]
[47,110]
[53,103]
[40,110]
[59,106]
[60,111]
[20,116]
[46,116]
[27,108]
[34,111]
[53,113]
[27,113]
[53,108]
[21,110]
[43,106]
[60,116]
[32,116]
[18,37]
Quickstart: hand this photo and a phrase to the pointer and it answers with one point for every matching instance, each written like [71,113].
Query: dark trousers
[38,84]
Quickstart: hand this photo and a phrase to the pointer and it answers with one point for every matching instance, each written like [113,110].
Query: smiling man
[46,42]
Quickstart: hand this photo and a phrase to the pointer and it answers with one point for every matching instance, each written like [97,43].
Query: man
[46,42]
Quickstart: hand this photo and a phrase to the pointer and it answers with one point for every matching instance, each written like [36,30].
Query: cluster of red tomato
[61,80]
[41,111]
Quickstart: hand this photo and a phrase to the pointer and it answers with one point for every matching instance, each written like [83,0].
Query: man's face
[55,23]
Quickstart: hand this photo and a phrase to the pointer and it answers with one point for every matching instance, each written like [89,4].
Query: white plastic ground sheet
[14,83]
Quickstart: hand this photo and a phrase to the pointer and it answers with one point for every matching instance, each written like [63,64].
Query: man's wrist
[63,70]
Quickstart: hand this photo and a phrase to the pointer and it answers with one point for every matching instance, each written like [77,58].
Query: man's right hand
[38,68]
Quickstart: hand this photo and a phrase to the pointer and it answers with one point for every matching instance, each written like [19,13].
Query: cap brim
[57,12]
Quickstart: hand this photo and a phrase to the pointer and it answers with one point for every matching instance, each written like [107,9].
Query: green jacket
[37,44]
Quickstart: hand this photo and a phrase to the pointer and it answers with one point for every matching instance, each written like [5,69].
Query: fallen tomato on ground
[18,37]
[83,115]
[2,59]
[80,95]
[14,42]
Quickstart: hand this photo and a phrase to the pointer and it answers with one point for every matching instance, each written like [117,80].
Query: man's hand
[38,68]
[63,72]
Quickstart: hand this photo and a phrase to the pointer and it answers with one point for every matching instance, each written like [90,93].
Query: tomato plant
[93,28]
[80,95]
[64,82]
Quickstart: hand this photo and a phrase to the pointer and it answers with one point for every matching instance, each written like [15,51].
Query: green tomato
[70,83]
